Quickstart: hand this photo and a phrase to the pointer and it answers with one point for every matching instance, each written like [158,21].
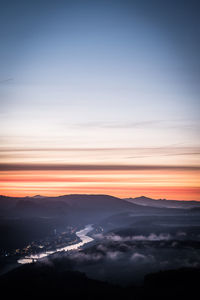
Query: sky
[100,97]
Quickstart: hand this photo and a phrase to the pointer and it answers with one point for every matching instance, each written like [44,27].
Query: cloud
[181,234]
[113,255]
[81,257]
[101,253]
[102,248]
[150,237]
[90,167]
[6,80]
[137,256]
[141,258]
[117,125]
[169,150]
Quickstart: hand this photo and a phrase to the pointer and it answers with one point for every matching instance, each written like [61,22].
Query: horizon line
[88,194]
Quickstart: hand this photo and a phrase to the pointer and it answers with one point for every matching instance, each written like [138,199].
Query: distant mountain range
[163,203]
[72,206]
[88,207]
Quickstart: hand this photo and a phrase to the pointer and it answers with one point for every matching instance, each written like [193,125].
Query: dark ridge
[45,281]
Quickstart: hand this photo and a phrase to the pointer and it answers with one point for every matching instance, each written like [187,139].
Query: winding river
[82,234]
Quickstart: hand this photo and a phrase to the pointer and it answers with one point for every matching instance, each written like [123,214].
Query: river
[82,234]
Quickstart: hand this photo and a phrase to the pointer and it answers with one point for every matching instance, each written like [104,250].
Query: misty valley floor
[137,251]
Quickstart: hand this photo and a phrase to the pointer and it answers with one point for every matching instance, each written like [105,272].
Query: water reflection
[82,234]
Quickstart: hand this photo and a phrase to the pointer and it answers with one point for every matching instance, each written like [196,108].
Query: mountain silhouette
[163,203]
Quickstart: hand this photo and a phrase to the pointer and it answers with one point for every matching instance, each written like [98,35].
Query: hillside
[87,205]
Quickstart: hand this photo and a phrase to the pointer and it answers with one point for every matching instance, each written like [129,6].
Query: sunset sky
[100,97]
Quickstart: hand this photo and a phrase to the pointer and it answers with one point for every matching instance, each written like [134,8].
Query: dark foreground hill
[39,281]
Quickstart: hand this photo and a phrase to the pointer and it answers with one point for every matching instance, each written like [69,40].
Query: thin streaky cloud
[120,124]
[6,80]
[92,167]
[60,149]
[169,154]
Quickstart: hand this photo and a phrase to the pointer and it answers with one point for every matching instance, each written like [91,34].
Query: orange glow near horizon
[169,184]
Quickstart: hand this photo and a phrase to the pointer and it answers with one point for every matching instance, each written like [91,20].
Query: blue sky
[110,74]
[100,96]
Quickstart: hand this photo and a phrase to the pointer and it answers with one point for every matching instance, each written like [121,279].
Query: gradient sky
[100,97]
